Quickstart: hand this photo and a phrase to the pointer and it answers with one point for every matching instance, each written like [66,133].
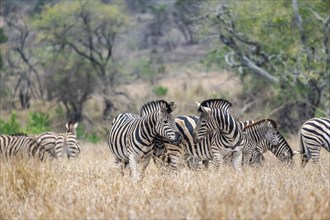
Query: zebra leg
[315,154]
[246,158]
[133,165]
[217,158]
[120,164]
[237,161]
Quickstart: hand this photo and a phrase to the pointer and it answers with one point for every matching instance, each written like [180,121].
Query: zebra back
[47,140]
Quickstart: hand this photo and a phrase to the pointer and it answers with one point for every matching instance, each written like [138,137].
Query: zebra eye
[165,121]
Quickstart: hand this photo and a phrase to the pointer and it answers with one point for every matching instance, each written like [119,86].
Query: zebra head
[202,128]
[71,127]
[165,124]
[209,110]
[286,156]
[272,135]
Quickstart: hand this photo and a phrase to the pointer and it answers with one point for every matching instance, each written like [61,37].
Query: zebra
[226,134]
[282,151]
[262,130]
[12,146]
[58,145]
[131,137]
[314,134]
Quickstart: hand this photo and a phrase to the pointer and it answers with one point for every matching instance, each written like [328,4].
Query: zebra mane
[156,105]
[273,123]
[215,103]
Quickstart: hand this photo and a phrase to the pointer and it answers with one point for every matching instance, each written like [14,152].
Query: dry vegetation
[91,188]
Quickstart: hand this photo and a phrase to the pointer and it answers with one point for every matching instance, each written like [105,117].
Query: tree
[21,62]
[90,30]
[184,14]
[280,43]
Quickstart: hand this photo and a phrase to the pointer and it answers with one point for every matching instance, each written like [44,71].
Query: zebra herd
[211,138]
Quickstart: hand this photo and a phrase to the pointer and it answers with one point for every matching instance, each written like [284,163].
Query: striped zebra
[314,134]
[62,144]
[131,137]
[226,134]
[262,130]
[20,145]
[282,151]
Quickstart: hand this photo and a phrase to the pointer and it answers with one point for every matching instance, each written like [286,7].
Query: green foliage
[12,126]
[272,25]
[38,122]
[213,58]
[3,37]
[83,135]
[56,19]
[160,91]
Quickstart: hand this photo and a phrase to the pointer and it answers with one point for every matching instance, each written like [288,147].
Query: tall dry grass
[91,188]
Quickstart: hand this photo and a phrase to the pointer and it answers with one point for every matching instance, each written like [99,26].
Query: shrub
[90,137]
[160,91]
[12,126]
[38,122]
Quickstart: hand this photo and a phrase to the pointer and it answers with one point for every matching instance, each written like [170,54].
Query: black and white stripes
[314,134]
[131,137]
[20,145]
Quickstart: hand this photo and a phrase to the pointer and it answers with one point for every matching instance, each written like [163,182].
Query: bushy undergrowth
[37,122]
[90,187]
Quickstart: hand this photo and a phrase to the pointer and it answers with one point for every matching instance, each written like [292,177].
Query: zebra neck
[229,140]
[148,128]
[282,146]
[255,134]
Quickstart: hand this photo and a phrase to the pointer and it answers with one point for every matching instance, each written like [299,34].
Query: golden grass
[90,187]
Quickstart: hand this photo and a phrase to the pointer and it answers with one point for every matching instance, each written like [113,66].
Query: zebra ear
[206,109]
[172,106]
[75,126]
[198,104]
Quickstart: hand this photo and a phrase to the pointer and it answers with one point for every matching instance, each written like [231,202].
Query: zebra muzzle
[178,139]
